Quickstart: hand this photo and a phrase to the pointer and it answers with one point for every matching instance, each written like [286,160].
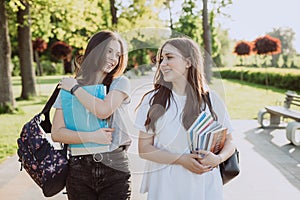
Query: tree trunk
[7,103]
[25,52]
[67,62]
[170,16]
[38,63]
[113,11]
[207,42]
[275,59]
[67,66]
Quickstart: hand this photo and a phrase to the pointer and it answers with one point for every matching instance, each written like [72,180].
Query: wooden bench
[290,109]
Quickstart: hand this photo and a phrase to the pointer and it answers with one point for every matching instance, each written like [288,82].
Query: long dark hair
[197,97]
[91,62]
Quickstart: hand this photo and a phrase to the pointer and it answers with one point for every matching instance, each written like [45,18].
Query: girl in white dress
[163,118]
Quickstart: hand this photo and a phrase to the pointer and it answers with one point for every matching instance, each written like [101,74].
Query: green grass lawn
[243,100]
[11,124]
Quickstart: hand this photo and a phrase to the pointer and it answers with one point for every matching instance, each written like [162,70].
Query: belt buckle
[97,157]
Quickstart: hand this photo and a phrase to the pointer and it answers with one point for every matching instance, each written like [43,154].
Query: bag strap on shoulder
[210,106]
[51,101]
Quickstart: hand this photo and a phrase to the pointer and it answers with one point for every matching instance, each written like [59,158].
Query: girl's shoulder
[121,79]
[121,83]
[147,97]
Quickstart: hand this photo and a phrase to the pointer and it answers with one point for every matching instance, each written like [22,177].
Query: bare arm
[228,149]
[61,134]
[149,152]
[100,108]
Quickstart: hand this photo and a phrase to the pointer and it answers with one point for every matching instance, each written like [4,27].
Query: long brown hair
[92,61]
[196,96]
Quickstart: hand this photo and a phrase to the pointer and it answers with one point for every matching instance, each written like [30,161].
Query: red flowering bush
[61,50]
[243,48]
[39,45]
[267,45]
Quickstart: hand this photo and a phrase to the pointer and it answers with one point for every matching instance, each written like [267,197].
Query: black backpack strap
[46,124]
[51,101]
[208,101]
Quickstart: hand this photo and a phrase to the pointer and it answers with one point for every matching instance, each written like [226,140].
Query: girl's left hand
[67,83]
[209,158]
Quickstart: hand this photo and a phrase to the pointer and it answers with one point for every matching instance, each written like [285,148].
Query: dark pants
[90,180]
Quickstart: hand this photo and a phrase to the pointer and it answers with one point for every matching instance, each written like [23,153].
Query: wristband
[74,88]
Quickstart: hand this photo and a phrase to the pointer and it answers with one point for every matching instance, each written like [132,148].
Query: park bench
[290,110]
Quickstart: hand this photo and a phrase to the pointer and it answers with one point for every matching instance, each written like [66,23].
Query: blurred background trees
[286,37]
[49,32]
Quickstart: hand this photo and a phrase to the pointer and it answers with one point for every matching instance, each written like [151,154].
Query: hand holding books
[206,134]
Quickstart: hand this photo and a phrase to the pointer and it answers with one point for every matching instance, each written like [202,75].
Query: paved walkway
[270,165]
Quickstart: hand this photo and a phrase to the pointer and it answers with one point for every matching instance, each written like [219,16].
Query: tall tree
[113,11]
[167,3]
[6,98]
[38,45]
[207,22]
[25,51]
[206,41]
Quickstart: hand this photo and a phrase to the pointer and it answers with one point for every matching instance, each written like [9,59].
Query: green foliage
[51,68]
[73,22]
[215,42]
[286,37]
[285,79]
[16,71]
[143,44]
[218,5]
[137,14]
[190,23]
[65,20]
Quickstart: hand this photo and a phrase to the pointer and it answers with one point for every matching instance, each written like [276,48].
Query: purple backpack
[46,166]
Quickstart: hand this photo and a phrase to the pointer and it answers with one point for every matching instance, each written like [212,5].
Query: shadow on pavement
[278,151]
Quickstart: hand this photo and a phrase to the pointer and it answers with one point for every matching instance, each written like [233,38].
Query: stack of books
[206,134]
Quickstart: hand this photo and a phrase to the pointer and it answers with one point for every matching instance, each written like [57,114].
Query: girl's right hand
[189,162]
[67,83]
[103,136]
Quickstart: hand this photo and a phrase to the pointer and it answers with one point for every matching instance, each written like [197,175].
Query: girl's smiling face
[113,54]
[173,65]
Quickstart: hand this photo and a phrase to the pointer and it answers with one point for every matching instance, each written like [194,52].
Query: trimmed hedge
[288,79]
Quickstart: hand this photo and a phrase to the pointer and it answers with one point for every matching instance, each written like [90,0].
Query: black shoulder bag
[229,168]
